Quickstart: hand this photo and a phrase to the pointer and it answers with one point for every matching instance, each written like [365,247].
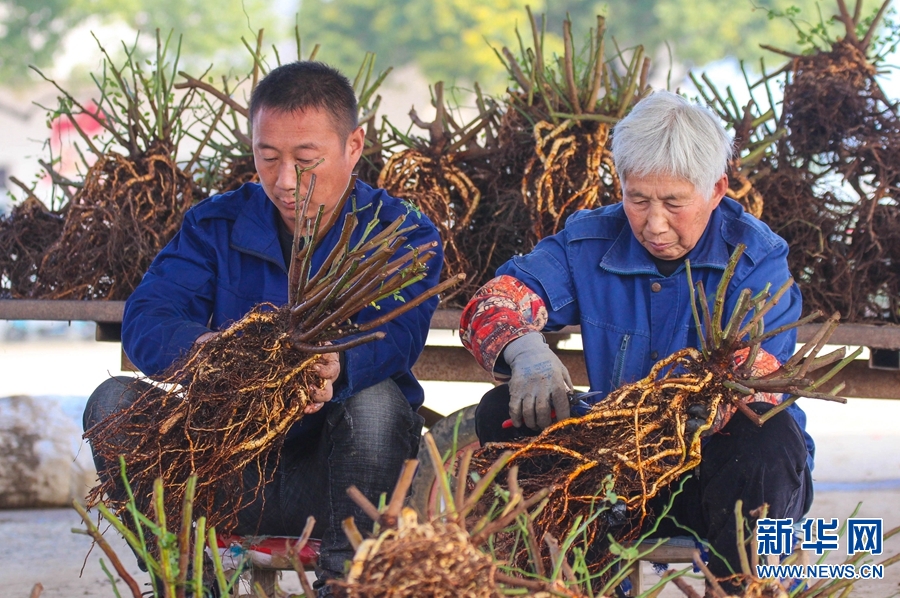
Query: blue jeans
[363,442]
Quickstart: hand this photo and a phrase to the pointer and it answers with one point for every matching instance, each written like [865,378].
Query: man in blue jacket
[618,272]
[232,253]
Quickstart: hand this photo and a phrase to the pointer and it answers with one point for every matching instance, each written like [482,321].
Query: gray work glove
[539,382]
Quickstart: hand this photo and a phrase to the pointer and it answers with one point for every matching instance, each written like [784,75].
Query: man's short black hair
[306,84]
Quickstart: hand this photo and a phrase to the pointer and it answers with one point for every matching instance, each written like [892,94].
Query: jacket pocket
[619,366]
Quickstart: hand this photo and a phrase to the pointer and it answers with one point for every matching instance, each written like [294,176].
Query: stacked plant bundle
[24,236]
[443,176]
[133,196]
[842,127]
[31,227]
[636,437]
[511,175]
[228,404]
[821,167]
[563,110]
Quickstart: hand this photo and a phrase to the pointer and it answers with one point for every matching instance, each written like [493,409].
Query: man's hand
[539,383]
[328,369]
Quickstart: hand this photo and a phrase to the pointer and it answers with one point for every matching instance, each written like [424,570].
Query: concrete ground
[858,460]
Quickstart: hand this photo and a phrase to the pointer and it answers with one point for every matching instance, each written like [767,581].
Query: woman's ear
[719,190]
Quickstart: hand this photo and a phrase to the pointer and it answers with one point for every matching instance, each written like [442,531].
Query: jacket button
[654,355]
[656,287]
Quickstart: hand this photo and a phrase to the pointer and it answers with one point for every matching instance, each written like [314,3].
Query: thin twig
[392,513]
[225,98]
[94,533]
[363,503]
[714,586]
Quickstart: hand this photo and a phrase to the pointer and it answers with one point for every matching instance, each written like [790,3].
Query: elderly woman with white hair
[619,272]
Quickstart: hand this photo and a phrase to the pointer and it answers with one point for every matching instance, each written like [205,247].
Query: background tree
[449,40]
[32,31]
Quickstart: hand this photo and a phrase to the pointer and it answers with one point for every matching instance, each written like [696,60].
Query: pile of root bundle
[428,559]
[820,168]
[496,185]
[135,182]
[450,555]
[605,467]
[834,179]
[438,177]
[25,235]
[103,239]
[123,215]
[227,406]
[130,200]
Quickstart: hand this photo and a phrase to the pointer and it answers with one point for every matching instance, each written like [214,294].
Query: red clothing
[500,312]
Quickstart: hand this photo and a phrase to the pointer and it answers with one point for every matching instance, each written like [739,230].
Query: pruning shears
[577,405]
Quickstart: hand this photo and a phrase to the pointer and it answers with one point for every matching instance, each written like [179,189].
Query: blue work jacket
[226,259]
[596,274]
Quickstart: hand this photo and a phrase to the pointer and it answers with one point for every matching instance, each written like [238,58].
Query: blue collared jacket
[226,259]
[596,274]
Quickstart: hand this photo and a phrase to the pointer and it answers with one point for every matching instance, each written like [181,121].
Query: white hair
[667,135]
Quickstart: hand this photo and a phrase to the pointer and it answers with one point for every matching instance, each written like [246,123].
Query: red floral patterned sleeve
[501,311]
[765,363]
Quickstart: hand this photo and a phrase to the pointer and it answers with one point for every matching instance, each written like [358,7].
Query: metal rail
[875,336]
[455,364]
[43,309]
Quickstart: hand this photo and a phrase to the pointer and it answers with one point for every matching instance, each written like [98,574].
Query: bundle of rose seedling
[131,196]
[449,555]
[228,404]
[637,435]
[510,176]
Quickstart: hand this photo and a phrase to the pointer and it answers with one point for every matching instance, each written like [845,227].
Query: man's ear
[356,142]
